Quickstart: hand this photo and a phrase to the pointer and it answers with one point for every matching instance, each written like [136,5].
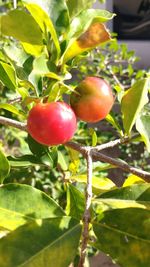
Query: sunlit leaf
[17,23]
[75,202]
[58,13]
[12,109]
[45,23]
[136,195]
[143,127]
[22,203]
[95,35]
[132,103]
[124,234]
[132,179]
[4,167]
[76,6]
[99,184]
[8,75]
[41,243]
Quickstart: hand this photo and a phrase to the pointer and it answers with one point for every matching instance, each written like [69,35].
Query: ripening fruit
[51,123]
[92,99]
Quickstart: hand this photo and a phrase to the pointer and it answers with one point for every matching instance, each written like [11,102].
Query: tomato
[92,99]
[51,123]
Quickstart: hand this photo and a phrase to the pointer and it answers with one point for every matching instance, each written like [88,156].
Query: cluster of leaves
[36,58]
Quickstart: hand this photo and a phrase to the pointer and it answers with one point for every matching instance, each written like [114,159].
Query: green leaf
[22,26]
[27,161]
[35,147]
[86,32]
[41,243]
[40,66]
[8,75]
[133,179]
[4,167]
[22,203]
[75,202]
[99,184]
[15,53]
[12,109]
[112,120]
[143,127]
[136,195]
[132,103]
[57,12]
[62,161]
[45,23]
[82,22]
[124,234]
[76,6]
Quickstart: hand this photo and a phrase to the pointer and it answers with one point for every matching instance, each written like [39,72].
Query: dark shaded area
[134,26]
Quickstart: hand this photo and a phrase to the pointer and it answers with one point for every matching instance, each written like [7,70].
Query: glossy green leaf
[4,167]
[99,184]
[76,6]
[58,13]
[75,202]
[143,127]
[124,234]
[132,103]
[22,26]
[41,243]
[11,108]
[45,23]
[136,195]
[22,203]
[8,75]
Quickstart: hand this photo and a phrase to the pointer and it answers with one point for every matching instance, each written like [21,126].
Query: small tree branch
[87,215]
[116,79]
[122,165]
[13,123]
[97,156]
[15,100]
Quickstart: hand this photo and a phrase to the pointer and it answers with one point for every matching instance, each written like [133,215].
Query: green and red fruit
[92,99]
[51,123]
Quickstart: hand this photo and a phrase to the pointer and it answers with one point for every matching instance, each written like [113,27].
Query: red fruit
[92,99]
[51,123]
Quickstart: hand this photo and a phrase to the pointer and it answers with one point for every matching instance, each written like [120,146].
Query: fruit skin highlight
[92,99]
[51,123]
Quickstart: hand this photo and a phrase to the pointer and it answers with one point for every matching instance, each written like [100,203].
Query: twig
[97,156]
[87,215]
[116,79]
[15,100]
[13,123]
[122,165]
